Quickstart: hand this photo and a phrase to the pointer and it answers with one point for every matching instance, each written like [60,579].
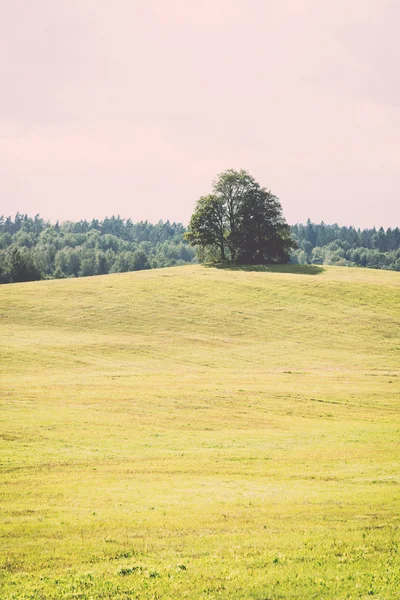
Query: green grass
[201,433]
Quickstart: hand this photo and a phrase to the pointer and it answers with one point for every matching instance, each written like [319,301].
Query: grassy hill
[201,433]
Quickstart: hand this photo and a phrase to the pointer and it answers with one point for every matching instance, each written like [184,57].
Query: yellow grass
[201,433]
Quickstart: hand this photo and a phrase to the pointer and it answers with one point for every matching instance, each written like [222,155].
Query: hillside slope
[201,432]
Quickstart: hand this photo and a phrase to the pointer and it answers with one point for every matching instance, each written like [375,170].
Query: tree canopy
[241,222]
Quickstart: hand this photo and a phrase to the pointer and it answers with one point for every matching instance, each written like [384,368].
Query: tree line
[346,246]
[32,248]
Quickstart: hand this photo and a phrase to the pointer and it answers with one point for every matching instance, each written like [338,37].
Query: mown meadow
[201,433]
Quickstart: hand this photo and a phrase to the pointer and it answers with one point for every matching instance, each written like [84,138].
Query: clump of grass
[121,555]
[124,571]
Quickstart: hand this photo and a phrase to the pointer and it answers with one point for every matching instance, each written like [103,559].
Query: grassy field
[201,433]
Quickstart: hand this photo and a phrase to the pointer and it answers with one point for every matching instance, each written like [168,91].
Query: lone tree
[241,222]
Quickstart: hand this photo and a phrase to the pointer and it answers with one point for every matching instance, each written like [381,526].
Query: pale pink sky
[134,106]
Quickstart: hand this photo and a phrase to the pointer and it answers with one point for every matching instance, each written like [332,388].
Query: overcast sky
[134,106]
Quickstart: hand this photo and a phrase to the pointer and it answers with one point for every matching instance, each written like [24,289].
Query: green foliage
[32,249]
[264,235]
[19,266]
[242,220]
[207,227]
[346,246]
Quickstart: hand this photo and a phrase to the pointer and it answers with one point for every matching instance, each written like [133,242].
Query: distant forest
[31,248]
[346,246]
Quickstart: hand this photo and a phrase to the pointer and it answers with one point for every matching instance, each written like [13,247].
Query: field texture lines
[201,433]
